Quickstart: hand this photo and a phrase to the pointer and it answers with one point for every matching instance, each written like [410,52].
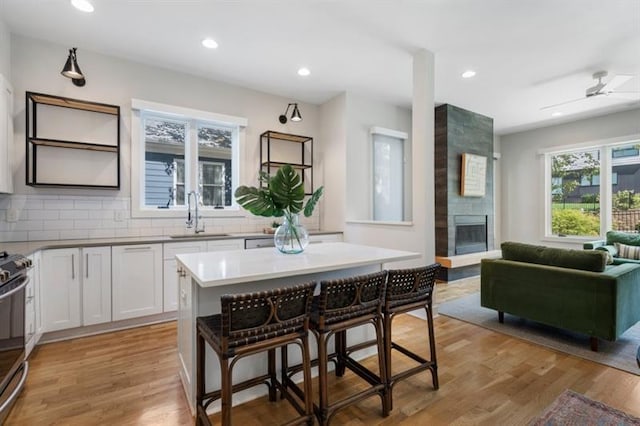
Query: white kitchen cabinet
[185,332]
[76,287]
[170,282]
[32,317]
[220,245]
[60,289]
[6,136]
[325,238]
[96,285]
[136,281]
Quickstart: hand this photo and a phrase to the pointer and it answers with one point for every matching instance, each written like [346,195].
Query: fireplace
[470,234]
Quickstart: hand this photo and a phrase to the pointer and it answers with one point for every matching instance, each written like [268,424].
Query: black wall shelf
[269,142]
[86,164]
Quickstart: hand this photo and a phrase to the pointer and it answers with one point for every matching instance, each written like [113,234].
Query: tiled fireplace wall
[52,217]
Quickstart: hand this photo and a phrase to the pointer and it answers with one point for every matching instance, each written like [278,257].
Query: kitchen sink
[199,235]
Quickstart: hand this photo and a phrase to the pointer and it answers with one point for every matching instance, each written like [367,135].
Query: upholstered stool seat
[249,324]
[408,290]
[341,305]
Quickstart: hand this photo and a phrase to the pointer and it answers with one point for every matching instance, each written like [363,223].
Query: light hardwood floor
[130,378]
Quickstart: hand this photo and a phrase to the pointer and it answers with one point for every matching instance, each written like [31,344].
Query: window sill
[182,213]
[380,222]
[572,239]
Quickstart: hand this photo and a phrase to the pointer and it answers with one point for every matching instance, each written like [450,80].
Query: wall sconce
[295,114]
[72,70]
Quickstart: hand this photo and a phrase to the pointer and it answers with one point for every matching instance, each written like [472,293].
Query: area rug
[620,354]
[572,408]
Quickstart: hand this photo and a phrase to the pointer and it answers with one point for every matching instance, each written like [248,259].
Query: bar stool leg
[306,371]
[432,348]
[323,402]
[201,414]
[340,343]
[271,355]
[388,318]
[284,368]
[382,366]
[226,391]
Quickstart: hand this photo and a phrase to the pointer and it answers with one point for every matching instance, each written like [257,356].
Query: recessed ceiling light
[210,43]
[468,74]
[304,72]
[82,5]
[556,114]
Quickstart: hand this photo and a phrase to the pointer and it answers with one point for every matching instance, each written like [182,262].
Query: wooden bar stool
[341,305]
[407,290]
[250,324]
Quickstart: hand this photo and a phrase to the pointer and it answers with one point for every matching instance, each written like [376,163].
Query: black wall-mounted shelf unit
[271,142]
[89,159]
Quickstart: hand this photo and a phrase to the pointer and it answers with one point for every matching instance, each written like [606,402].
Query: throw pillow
[628,252]
[611,252]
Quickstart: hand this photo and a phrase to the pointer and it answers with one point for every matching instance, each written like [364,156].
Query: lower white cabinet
[32,317]
[137,281]
[170,291]
[76,287]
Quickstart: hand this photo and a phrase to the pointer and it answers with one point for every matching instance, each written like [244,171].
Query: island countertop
[239,266]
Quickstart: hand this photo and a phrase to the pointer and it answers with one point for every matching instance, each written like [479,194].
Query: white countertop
[238,266]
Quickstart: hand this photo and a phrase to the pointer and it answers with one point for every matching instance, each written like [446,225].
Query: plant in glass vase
[281,195]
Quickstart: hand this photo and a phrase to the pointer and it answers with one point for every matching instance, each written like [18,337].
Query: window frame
[605,148]
[141,108]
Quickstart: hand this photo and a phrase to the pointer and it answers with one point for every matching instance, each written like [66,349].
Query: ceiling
[527,53]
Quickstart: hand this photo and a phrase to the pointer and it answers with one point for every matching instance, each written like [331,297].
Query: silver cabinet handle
[73,266]
[86,265]
[137,248]
[181,272]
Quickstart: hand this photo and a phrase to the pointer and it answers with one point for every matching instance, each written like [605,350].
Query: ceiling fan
[604,89]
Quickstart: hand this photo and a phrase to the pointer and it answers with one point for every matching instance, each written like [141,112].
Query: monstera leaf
[282,195]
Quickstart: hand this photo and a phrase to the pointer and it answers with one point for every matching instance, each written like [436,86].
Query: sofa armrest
[590,245]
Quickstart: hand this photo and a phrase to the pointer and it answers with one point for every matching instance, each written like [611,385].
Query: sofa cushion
[623,237]
[586,260]
[611,251]
[628,252]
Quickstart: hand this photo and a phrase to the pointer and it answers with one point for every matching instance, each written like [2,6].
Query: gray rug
[620,354]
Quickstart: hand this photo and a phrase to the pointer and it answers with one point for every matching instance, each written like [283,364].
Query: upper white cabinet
[137,281]
[71,142]
[76,287]
[6,136]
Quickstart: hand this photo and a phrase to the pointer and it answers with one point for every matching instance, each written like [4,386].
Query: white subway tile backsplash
[74,214]
[88,204]
[58,224]
[102,233]
[5,202]
[87,224]
[43,215]
[100,214]
[128,232]
[115,204]
[8,236]
[74,234]
[58,204]
[43,235]
[22,225]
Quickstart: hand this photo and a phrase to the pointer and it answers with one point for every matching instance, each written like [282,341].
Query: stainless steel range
[13,366]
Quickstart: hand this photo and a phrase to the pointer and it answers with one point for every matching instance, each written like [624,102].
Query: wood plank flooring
[130,378]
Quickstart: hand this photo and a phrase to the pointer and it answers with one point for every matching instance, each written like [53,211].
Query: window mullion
[606,221]
[192,162]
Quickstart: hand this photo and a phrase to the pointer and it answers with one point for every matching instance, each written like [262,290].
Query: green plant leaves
[257,201]
[287,189]
[281,194]
[311,202]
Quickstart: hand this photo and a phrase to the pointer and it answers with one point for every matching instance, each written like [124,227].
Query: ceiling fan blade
[563,103]
[616,81]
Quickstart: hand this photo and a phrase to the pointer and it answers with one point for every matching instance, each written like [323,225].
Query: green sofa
[608,245]
[570,289]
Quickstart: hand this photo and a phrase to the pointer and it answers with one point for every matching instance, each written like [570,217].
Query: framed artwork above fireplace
[473,176]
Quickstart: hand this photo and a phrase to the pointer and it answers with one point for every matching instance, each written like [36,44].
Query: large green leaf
[312,201]
[287,189]
[257,201]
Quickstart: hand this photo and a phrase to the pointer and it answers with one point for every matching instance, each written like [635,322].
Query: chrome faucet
[192,221]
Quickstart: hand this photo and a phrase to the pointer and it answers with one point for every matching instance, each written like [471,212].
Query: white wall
[419,236]
[364,113]
[522,177]
[5,50]
[36,65]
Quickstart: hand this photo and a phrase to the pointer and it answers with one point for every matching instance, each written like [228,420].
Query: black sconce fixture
[295,115]
[72,70]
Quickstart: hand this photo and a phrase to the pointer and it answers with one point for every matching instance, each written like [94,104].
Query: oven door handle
[18,388]
[20,287]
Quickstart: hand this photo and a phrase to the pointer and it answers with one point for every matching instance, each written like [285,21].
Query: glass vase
[291,237]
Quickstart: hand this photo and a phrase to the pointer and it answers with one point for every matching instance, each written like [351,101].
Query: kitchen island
[204,277]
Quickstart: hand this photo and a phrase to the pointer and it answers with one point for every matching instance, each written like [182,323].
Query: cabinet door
[137,281]
[220,245]
[61,289]
[6,136]
[96,285]
[186,338]
[170,277]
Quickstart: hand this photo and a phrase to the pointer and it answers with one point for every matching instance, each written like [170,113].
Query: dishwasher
[259,242]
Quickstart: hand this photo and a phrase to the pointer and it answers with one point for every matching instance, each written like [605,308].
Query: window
[388,175]
[182,151]
[593,190]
